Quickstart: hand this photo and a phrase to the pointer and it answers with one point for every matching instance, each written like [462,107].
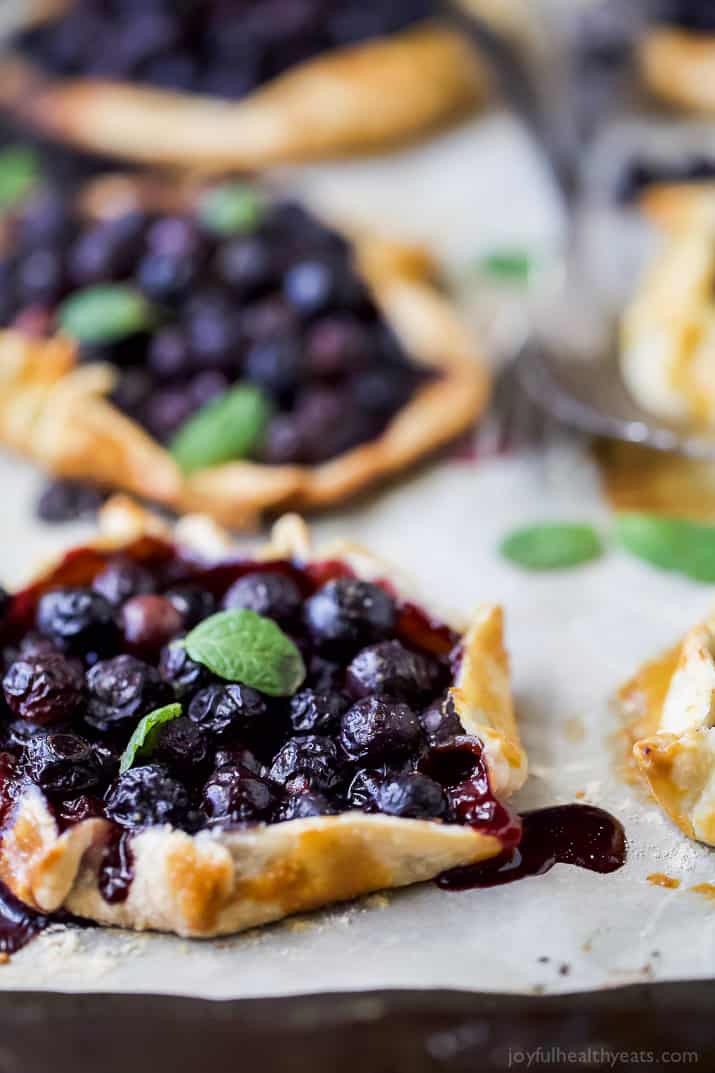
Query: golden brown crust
[345,101]
[677,206]
[218,882]
[679,67]
[59,415]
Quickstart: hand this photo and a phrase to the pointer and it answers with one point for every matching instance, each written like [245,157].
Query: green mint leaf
[551,546]
[670,543]
[105,313]
[231,209]
[226,428]
[143,741]
[513,265]
[242,646]
[19,174]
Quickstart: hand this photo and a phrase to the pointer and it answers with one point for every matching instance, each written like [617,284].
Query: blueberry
[364,788]
[147,796]
[275,365]
[123,578]
[123,688]
[193,603]
[206,386]
[271,318]
[412,796]
[241,757]
[388,668]
[220,708]
[62,764]
[348,612]
[169,355]
[310,286]
[108,250]
[440,721]
[66,500]
[245,265]
[377,730]
[180,672]
[283,442]
[311,762]
[237,795]
[149,622]
[268,593]
[165,278]
[180,745]
[317,713]
[304,806]
[45,688]
[175,236]
[166,411]
[336,346]
[40,276]
[213,330]
[77,619]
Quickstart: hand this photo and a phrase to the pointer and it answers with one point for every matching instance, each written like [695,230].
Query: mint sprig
[227,428]
[242,646]
[231,209]
[105,313]
[143,741]
[19,174]
[675,544]
[552,546]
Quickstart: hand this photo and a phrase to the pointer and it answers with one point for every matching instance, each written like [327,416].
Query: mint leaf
[670,543]
[513,265]
[19,174]
[242,646]
[143,740]
[226,428]
[105,313]
[231,209]
[551,546]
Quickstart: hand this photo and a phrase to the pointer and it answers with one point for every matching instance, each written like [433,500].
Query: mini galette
[243,84]
[670,708]
[676,55]
[199,743]
[213,349]
[668,331]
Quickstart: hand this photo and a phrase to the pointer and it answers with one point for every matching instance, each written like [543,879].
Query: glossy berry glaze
[279,306]
[89,652]
[223,48]
[641,174]
[695,15]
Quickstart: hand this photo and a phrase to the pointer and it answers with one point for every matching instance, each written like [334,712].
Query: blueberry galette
[213,349]
[199,743]
[677,54]
[218,84]
[670,706]
[668,332]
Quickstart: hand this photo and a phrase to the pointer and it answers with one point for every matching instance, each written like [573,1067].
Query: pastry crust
[668,332]
[677,206]
[218,882]
[57,412]
[679,67]
[345,101]
[671,703]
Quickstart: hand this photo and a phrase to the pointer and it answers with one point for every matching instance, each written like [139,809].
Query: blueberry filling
[371,727]
[641,174]
[207,46]
[695,15]
[263,345]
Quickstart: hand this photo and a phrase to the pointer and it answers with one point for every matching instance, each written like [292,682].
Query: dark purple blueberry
[40,276]
[166,411]
[271,318]
[193,603]
[347,612]
[453,761]
[245,265]
[220,708]
[412,796]
[237,795]
[175,236]
[364,788]
[178,70]
[147,796]
[388,668]
[149,622]
[123,578]
[213,330]
[123,688]
[76,809]
[180,672]
[77,619]
[180,745]
[322,418]
[108,250]
[169,355]
[240,757]
[317,713]
[382,392]
[132,390]
[268,593]
[45,689]
[283,443]
[145,35]
[34,644]
[377,730]
[66,500]
[311,762]
[275,365]
[165,278]
[336,346]
[304,806]
[324,675]
[310,286]
[62,764]
[440,721]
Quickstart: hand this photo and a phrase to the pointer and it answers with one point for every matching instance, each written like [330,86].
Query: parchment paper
[573,636]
